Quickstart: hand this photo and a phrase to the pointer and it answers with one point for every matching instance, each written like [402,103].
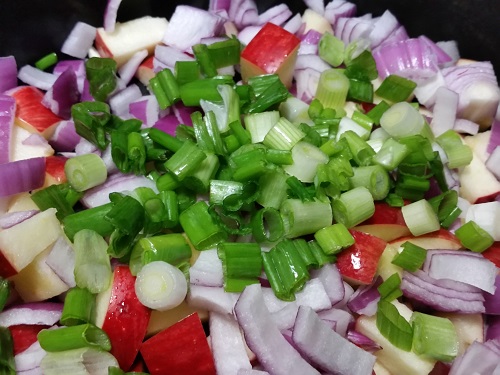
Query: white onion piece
[486,216]
[273,351]
[341,318]
[251,372]
[168,55]
[207,270]
[12,218]
[478,358]
[145,109]
[444,111]
[228,347]
[243,13]
[110,15]
[383,27]
[7,115]
[119,103]
[188,25]
[339,8]
[331,279]
[248,33]
[293,24]
[493,163]
[315,340]
[277,15]
[465,126]
[311,62]
[160,286]
[30,358]
[41,313]
[306,81]
[36,77]
[61,260]
[128,70]
[211,299]
[79,40]
[8,73]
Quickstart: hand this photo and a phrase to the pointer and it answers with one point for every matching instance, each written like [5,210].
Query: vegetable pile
[240,193]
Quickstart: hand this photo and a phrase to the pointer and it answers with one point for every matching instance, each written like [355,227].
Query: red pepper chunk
[181,349]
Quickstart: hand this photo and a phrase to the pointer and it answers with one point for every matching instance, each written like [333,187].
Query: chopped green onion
[136,153]
[420,217]
[199,179]
[445,205]
[268,90]
[473,237]
[321,257]
[347,124]
[112,370]
[92,264]
[334,238]
[362,66]
[299,190]
[312,135]
[186,71]
[458,153]
[127,215]
[225,53]
[376,112]
[394,200]
[47,61]
[7,363]
[74,337]
[411,258]
[101,74]
[279,157]
[4,292]
[402,120]
[119,150]
[78,307]
[273,189]
[200,227]
[361,151]
[332,88]
[396,88]
[391,154]
[167,182]
[360,90]
[274,278]
[259,124]
[169,85]
[85,171]
[185,160]
[204,60]
[374,178]
[170,202]
[283,135]
[240,261]
[267,225]
[389,290]
[353,207]
[301,218]
[393,326]
[90,120]
[240,132]
[192,92]
[306,159]
[331,49]
[92,218]
[434,337]
[77,361]
[159,93]
[54,196]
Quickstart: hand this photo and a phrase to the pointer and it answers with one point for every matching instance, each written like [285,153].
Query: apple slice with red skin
[31,114]
[54,170]
[272,51]
[145,71]
[440,239]
[387,222]
[180,349]
[24,335]
[123,317]
[358,263]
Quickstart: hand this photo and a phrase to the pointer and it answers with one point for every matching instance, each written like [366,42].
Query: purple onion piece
[7,114]
[79,41]
[20,176]
[362,341]
[13,218]
[41,313]
[8,73]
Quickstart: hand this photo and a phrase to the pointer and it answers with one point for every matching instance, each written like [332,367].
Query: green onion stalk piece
[332,88]
[331,49]
[334,238]
[353,207]
[300,218]
[390,289]
[242,264]
[185,160]
[473,237]
[393,326]
[402,120]
[77,361]
[411,258]
[57,196]
[420,217]
[90,120]
[78,307]
[395,88]
[85,171]
[101,74]
[283,135]
[374,178]
[458,153]
[46,61]
[267,225]
[91,219]
[7,363]
[74,337]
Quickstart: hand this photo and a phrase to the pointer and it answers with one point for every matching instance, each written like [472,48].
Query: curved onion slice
[110,15]
[339,8]
[20,176]
[44,313]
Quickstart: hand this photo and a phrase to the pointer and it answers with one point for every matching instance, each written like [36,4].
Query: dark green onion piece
[362,66]
[159,92]
[473,237]
[46,61]
[101,74]
[7,363]
[279,157]
[4,292]
[225,53]
[67,338]
[376,112]
[361,151]
[92,218]
[136,153]
[268,90]
[299,190]
[119,150]
[334,238]
[78,307]
[199,179]
[389,290]
[321,257]
[411,258]
[331,49]
[374,177]
[192,92]
[90,120]
[166,140]
[167,182]
[394,200]
[305,252]
[169,85]
[274,278]
[267,225]
[353,207]
[54,196]
[186,71]
[204,60]
[117,371]
[171,204]
[232,222]
[445,205]
[393,326]
[185,160]
[200,227]
[360,90]
[458,153]
[240,132]
[127,215]
[396,88]
[240,261]
[290,265]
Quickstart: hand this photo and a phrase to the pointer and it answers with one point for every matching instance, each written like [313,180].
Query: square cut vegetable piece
[180,349]
[272,51]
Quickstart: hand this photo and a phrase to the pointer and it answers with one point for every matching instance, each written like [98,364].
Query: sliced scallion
[74,337]
[334,238]
[411,258]
[473,237]
[85,171]
[353,207]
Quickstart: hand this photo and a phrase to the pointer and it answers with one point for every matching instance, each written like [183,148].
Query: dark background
[30,29]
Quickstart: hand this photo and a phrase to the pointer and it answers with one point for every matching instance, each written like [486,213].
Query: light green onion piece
[74,337]
[85,171]
[402,120]
[353,207]
[420,217]
[92,264]
[446,207]
[306,159]
[391,154]
[259,124]
[301,218]
[283,135]
[393,326]
[331,49]
[361,151]
[374,178]
[332,88]
[273,189]
[78,307]
[411,258]
[334,238]
[47,61]
[199,179]
[396,88]
[186,160]
[473,237]
[347,124]
[434,337]
[458,153]
[389,290]
[78,361]
[267,225]
[241,263]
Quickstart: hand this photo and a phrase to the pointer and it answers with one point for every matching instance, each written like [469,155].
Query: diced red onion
[397,35]
[444,111]
[477,359]
[79,40]
[313,62]
[128,70]
[293,24]
[213,39]
[487,216]
[251,372]
[309,43]
[110,14]
[285,317]
[183,113]
[362,341]
[464,126]
[442,57]
[211,298]
[8,73]
[228,347]
[493,328]
[306,83]
[383,27]
[188,25]
[348,292]
[314,296]
[365,298]
[30,358]
[145,109]
[20,176]
[423,288]
[119,103]
[86,147]
[277,15]
[216,5]
[34,140]
[168,55]
[494,137]
[207,270]
[7,115]
[243,13]
[331,279]
[342,319]
[99,195]
[315,340]
[44,313]
[63,94]
[65,137]
[339,9]
[316,5]
[167,124]
[107,158]
[86,95]
[493,163]
[248,33]
[61,260]
[36,77]
[353,28]
[450,47]
[12,218]
[426,89]
[263,337]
